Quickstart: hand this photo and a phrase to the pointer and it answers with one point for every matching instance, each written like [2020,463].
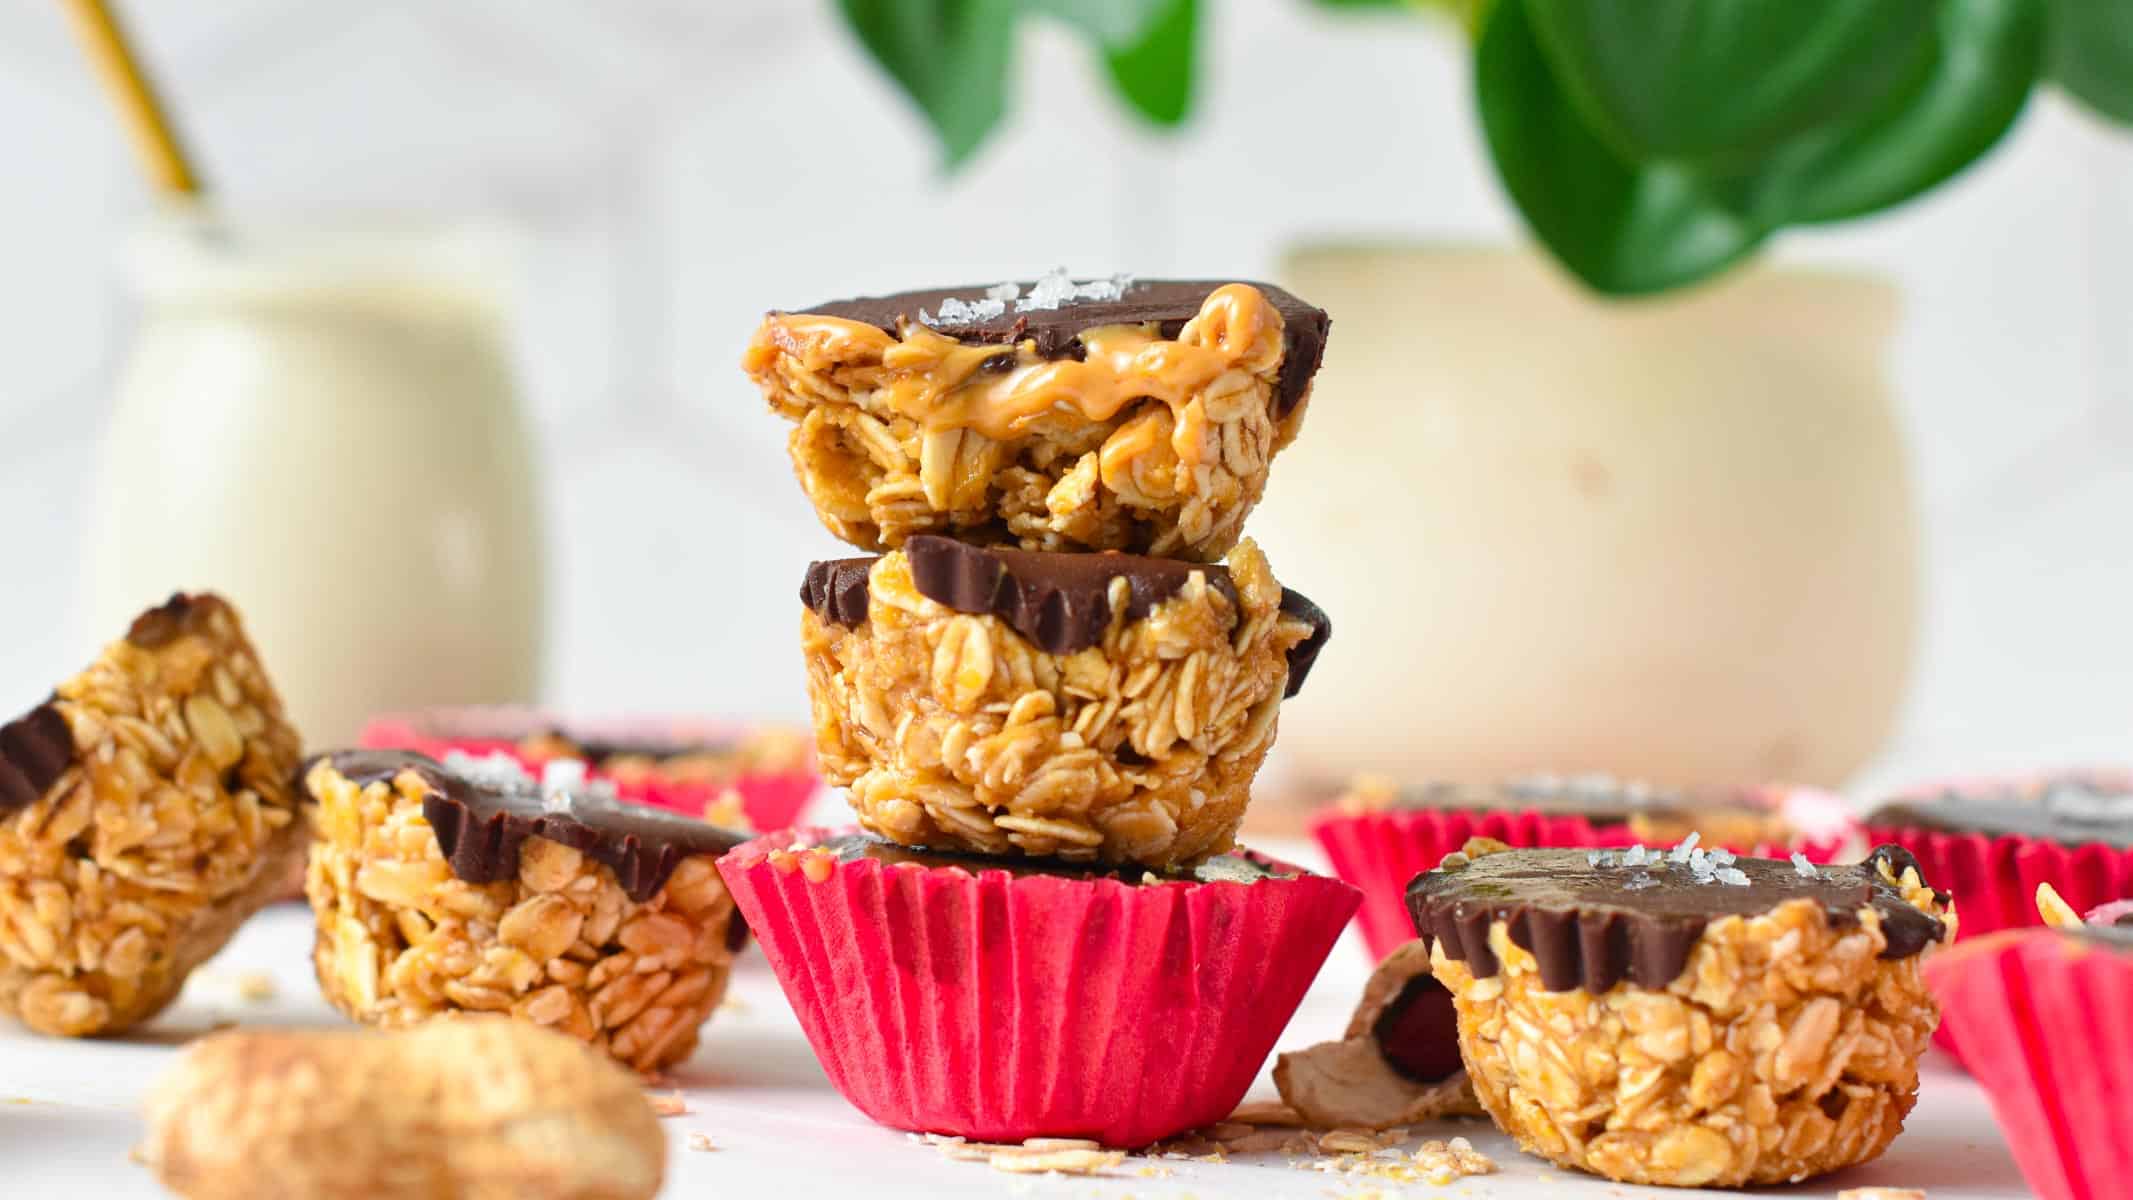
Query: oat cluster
[1170,477]
[1785,1049]
[175,822]
[953,731]
[401,939]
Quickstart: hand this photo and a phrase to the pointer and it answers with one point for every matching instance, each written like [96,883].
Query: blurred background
[1497,470]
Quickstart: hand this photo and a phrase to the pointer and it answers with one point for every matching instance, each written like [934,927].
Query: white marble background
[680,165]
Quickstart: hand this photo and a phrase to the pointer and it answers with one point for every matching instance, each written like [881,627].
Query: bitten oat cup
[467,885]
[1136,415]
[1092,707]
[1684,1018]
[146,810]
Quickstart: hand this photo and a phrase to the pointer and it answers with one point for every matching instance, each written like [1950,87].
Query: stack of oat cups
[1048,697]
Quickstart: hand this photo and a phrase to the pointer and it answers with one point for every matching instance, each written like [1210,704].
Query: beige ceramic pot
[1671,539]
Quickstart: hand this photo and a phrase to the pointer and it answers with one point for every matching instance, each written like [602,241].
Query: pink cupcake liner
[1381,851]
[771,799]
[998,1007]
[1994,881]
[2041,1017]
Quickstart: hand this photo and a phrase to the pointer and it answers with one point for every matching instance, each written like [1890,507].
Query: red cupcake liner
[1994,881]
[771,799]
[1001,1007]
[1382,850]
[2041,1017]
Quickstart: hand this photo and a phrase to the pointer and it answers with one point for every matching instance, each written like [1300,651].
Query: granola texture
[953,732]
[174,823]
[1151,445]
[1785,1049]
[401,939]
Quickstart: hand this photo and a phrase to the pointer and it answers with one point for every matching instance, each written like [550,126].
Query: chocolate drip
[1056,332]
[1236,867]
[1588,927]
[1060,602]
[35,750]
[2072,809]
[481,828]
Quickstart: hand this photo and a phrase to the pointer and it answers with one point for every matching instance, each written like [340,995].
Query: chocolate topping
[1236,867]
[1418,1033]
[481,826]
[2073,809]
[837,590]
[35,750]
[160,625]
[1165,303]
[1060,602]
[1593,926]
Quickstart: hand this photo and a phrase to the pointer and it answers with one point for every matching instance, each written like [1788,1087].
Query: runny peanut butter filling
[1004,392]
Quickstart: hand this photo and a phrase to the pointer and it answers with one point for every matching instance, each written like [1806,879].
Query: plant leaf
[1157,71]
[2091,54]
[1624,229]
[1694,79]
[1985,61]
[950,56]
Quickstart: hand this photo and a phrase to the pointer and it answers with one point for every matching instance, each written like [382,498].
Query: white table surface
[69,1110]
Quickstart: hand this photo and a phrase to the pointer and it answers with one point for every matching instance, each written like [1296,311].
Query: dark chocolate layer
[1593,926]
[1165,303]
[1060,602]
[2072,809]
[35,750]
[481,828]
[1235,867]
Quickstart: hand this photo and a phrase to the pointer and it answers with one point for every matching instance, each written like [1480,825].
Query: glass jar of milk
[325,430]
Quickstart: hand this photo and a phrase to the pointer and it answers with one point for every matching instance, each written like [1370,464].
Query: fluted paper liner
[771,799]
[1000,1008]
[1381,850]
[1994,881]
[2042,1021]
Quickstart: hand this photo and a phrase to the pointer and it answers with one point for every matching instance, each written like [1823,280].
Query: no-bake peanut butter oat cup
[1687,1019]
[469,886]
[1091,707]
[145,812]
[1118,415]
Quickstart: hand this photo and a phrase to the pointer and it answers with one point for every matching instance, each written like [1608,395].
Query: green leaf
[950,56]
[1697,79]
[1967,94]
[1157,71]
[2091,54]
[1624,229]
[1149,48]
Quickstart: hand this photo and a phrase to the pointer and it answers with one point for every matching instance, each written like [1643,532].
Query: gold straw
[153,138]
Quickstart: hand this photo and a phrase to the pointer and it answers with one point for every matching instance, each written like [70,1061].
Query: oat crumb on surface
[256,987]
[702,1142]
[668,1104]
[1882,1193]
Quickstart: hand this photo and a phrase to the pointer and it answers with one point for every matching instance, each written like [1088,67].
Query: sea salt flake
[1805,868]
[1635,856]
[494,770]
[1733,876]
[1686,848]
[1003,291]
[562,775]
[1724,858]
[1640,881]
[1592,858]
